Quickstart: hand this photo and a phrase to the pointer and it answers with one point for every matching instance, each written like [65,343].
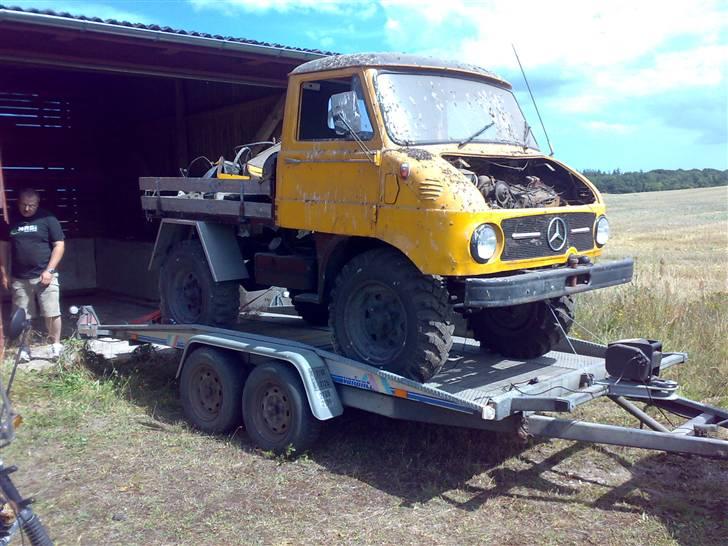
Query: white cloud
[571,32]
[393,25]
[606,127]
[361,8]
[617,49]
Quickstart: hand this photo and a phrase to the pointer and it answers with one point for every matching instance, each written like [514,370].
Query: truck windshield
[429,109]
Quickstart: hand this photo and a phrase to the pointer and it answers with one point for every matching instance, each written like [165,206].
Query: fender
[218,241]
[323,398]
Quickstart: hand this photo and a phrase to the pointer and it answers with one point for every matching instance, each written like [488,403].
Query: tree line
[656,180]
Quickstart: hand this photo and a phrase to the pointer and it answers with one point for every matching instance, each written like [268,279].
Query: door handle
[293,160]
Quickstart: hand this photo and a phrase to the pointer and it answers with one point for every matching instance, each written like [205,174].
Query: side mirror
[344,114]
[18,324]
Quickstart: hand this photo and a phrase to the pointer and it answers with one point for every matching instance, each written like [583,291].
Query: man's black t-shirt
[31,241]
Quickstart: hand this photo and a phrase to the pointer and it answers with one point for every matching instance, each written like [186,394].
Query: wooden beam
[206,207]
[205,185]
[274,118]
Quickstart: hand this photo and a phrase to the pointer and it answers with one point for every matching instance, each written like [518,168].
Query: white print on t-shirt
[32,228]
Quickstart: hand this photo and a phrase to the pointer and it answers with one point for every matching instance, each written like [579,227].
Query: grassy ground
[105,450]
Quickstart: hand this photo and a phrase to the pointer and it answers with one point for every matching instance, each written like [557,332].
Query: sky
[621,84]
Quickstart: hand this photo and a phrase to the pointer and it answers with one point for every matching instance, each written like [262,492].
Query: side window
[315,105]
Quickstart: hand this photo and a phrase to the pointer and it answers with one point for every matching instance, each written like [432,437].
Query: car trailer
[277,376]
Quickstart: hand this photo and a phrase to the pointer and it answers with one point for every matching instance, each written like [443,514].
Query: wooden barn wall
[83,139]
[217,132]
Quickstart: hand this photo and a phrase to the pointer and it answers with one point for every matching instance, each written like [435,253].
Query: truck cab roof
[336,62]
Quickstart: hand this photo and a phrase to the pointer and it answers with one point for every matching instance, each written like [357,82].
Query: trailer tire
[276,411]
[188,292]
[523,331]
[386,313]
[210,388]
[316,314]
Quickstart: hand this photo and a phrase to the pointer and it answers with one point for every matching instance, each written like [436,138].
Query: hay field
[679,240]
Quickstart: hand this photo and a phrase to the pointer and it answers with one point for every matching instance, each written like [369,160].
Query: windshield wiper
[476,134]
[526,131]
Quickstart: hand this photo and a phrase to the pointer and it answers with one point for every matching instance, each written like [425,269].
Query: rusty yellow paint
[333,186]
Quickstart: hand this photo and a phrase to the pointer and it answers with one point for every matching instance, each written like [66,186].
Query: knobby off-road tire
[189,294]
[276,411]
[523,331]
[211,386]
[386,313]
[315,314]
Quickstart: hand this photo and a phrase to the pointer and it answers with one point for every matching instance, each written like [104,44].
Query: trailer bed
[474,389]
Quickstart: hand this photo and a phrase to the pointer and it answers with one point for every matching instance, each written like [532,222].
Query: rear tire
[276,411]
[188,292]
[523,331]
[386,313]
[210,388]
[316,314]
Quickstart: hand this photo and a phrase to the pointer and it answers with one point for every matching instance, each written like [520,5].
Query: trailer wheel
[210,388]
[523,331]
[276,411]
[386,313]
[189,293]
[315,314]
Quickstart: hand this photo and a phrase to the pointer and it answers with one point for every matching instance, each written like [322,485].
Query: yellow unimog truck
[403,190]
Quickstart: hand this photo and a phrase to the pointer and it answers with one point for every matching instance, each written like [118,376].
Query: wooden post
[6,219]
[3,197]
[180,126]
[274,118]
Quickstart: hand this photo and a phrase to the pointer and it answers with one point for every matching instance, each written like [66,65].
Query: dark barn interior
[87,107]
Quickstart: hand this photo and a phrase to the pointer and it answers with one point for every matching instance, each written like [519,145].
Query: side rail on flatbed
[475,391]
[227,199]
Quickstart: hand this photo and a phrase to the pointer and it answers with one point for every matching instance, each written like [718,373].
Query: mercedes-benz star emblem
[556,234]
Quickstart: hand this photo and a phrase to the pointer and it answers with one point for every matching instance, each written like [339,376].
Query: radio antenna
[533,100]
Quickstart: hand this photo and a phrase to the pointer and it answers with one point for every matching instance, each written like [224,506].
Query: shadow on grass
[418,462]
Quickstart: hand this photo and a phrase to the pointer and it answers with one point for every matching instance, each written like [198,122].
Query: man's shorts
[25,292]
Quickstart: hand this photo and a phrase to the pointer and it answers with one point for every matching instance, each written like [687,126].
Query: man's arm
[59,248]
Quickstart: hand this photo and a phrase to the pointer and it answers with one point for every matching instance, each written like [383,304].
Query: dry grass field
[106,452]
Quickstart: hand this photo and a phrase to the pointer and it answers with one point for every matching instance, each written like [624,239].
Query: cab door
[327,182]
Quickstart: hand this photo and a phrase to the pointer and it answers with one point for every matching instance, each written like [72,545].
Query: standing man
[36,244]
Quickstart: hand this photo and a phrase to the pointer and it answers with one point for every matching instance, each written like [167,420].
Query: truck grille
[533,242]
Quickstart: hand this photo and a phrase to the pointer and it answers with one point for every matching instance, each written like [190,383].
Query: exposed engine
[517,184]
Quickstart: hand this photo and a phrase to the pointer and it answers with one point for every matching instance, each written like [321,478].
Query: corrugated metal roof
[55,18]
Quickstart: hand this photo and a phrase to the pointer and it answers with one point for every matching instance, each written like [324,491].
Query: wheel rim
[186,303]
[376,323]
[206,393]
[275,411]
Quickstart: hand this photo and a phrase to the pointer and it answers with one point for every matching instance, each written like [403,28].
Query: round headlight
[601,235]
[483,243]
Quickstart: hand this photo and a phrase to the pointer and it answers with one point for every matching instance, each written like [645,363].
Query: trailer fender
[218,241]
[323,398]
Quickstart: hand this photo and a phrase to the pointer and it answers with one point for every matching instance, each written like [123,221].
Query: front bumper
[546,284]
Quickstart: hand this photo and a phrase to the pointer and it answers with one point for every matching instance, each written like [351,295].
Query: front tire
[188,292]
[386,313]
[276,411]
[523,331]
[211,386]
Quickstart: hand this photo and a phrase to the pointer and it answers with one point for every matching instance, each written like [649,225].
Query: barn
[87,106]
